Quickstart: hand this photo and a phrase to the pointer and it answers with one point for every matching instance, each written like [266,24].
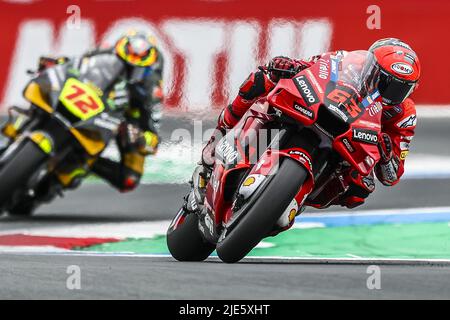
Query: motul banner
[211,46]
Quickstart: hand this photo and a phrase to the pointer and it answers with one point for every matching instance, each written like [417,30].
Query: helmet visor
[394,90]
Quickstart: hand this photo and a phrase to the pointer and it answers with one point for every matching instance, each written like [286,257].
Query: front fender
[268,165]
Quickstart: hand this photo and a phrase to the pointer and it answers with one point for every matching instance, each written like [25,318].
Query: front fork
[15,125]
[195,199]
[194,203]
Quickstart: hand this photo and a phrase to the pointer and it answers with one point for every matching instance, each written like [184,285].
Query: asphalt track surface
[44,277]
[38,276]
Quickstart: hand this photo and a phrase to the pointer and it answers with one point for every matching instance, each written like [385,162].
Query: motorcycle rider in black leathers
[133,70]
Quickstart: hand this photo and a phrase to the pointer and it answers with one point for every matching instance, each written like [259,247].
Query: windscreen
[101,70]
[358,71]
[354,79]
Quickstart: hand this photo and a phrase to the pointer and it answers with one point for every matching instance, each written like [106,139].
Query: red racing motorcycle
[316,126]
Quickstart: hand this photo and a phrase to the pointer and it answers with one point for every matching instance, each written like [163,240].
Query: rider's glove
[151,143]
[132,138]
[119,97]
[386,170]
[385,147]
[282,67]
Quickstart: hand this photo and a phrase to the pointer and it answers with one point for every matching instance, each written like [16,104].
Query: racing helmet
[137,49]
[399,69]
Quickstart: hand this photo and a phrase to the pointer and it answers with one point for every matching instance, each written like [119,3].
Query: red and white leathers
[398,123]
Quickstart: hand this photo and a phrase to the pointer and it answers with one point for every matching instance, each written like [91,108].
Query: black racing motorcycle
[53,144]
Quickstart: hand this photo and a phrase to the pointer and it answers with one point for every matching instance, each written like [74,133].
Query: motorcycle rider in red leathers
[400,72]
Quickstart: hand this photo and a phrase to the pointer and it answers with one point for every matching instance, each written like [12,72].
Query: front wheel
[184,240]
[260,219]
[14,174]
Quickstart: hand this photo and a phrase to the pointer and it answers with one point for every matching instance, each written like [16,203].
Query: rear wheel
[184,240]
[260,219]
[23,208]
[20,166]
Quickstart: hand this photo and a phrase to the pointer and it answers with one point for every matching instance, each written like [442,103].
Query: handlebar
[271,69]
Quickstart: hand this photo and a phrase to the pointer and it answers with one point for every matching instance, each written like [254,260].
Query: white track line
[117,230]
[382,212]
[268,259]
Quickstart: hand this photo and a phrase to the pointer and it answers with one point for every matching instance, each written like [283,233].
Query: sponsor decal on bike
[307,92]
[348,145]
[408,122]
[369,124]
[81,100]
[303,157]
[339,112]
[306,112]
[375,95]
[365,136]
[334,70]
[370,99]
[324,70]
[375,108]
[288,215]
[402,68]
[226,151]
[251,183]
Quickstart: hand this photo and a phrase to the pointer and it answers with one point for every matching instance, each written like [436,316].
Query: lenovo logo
[306,90]
[365,136]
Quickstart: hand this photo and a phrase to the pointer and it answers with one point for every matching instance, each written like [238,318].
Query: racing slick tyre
[22,209]
[184,240]
[19,167]
[261,218]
